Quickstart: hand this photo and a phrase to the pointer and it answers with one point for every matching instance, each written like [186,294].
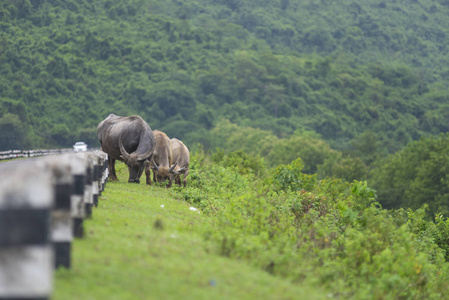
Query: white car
[80,146]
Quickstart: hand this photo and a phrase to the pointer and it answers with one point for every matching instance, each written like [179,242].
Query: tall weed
[327,233]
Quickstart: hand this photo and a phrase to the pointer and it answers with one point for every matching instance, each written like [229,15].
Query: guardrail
[43,202]
[12,154]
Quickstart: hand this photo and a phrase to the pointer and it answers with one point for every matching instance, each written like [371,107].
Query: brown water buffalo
[161,164]
[128,139]
[181,155]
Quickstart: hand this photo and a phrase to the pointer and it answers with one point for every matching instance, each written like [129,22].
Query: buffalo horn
[182,170]
[144,156]
[171,169]
[155,166]
[125,154]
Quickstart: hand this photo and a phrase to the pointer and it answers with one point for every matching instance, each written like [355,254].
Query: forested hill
[343,69]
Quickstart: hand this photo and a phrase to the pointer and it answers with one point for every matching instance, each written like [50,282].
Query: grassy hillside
[342,70]
[143,244]
[277,235]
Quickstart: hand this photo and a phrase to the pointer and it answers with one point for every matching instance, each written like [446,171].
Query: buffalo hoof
[134,181]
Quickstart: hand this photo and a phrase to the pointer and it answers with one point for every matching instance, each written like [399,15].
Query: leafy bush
[290,178]
[210,185]
[241,162]
[415,176]
[327,233]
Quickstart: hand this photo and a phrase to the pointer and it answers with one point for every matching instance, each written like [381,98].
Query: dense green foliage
[339,84]
[415,176]
[317,155]
[339,69]
[322,233]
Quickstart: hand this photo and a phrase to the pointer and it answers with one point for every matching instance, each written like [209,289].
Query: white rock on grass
[194,209]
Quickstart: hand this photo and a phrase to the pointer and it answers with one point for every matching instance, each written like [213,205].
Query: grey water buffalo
[161,164]
[181,155]
[128,139]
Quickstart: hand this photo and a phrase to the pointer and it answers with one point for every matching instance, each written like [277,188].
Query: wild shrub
[442,238]
[241,162]
[326,233]
[211,185]
[290,178]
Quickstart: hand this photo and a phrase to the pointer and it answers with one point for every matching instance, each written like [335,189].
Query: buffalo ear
[121,156]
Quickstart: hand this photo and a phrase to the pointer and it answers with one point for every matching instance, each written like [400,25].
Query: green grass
[135,249]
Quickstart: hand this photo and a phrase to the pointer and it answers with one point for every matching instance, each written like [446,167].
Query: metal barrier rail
[12,154]
[43,202]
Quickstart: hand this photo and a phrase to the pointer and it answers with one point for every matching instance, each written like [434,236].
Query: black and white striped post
[100,174]
[61,215]
[88,196]
[26,254]
[105,177]
[95,178]
[78,168]
[43,202]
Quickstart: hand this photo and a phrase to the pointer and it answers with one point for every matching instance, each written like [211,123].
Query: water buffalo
[181,155]
[128,139]
[162,160]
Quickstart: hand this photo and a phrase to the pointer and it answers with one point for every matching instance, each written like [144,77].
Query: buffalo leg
[111,166]
[147,169]
[148,176]
[147,172]
[184,178]
[178,180]
[154,176]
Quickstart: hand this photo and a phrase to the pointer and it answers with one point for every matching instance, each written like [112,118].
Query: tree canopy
[338,69]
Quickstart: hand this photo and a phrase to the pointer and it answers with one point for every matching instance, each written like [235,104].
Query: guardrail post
[42,205]
[61,217]
[99,157]
[95,176]
[26,255]
[88,198]
[105,172]
[78,167]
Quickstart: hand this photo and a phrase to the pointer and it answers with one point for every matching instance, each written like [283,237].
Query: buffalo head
[162,173]
[134,161]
